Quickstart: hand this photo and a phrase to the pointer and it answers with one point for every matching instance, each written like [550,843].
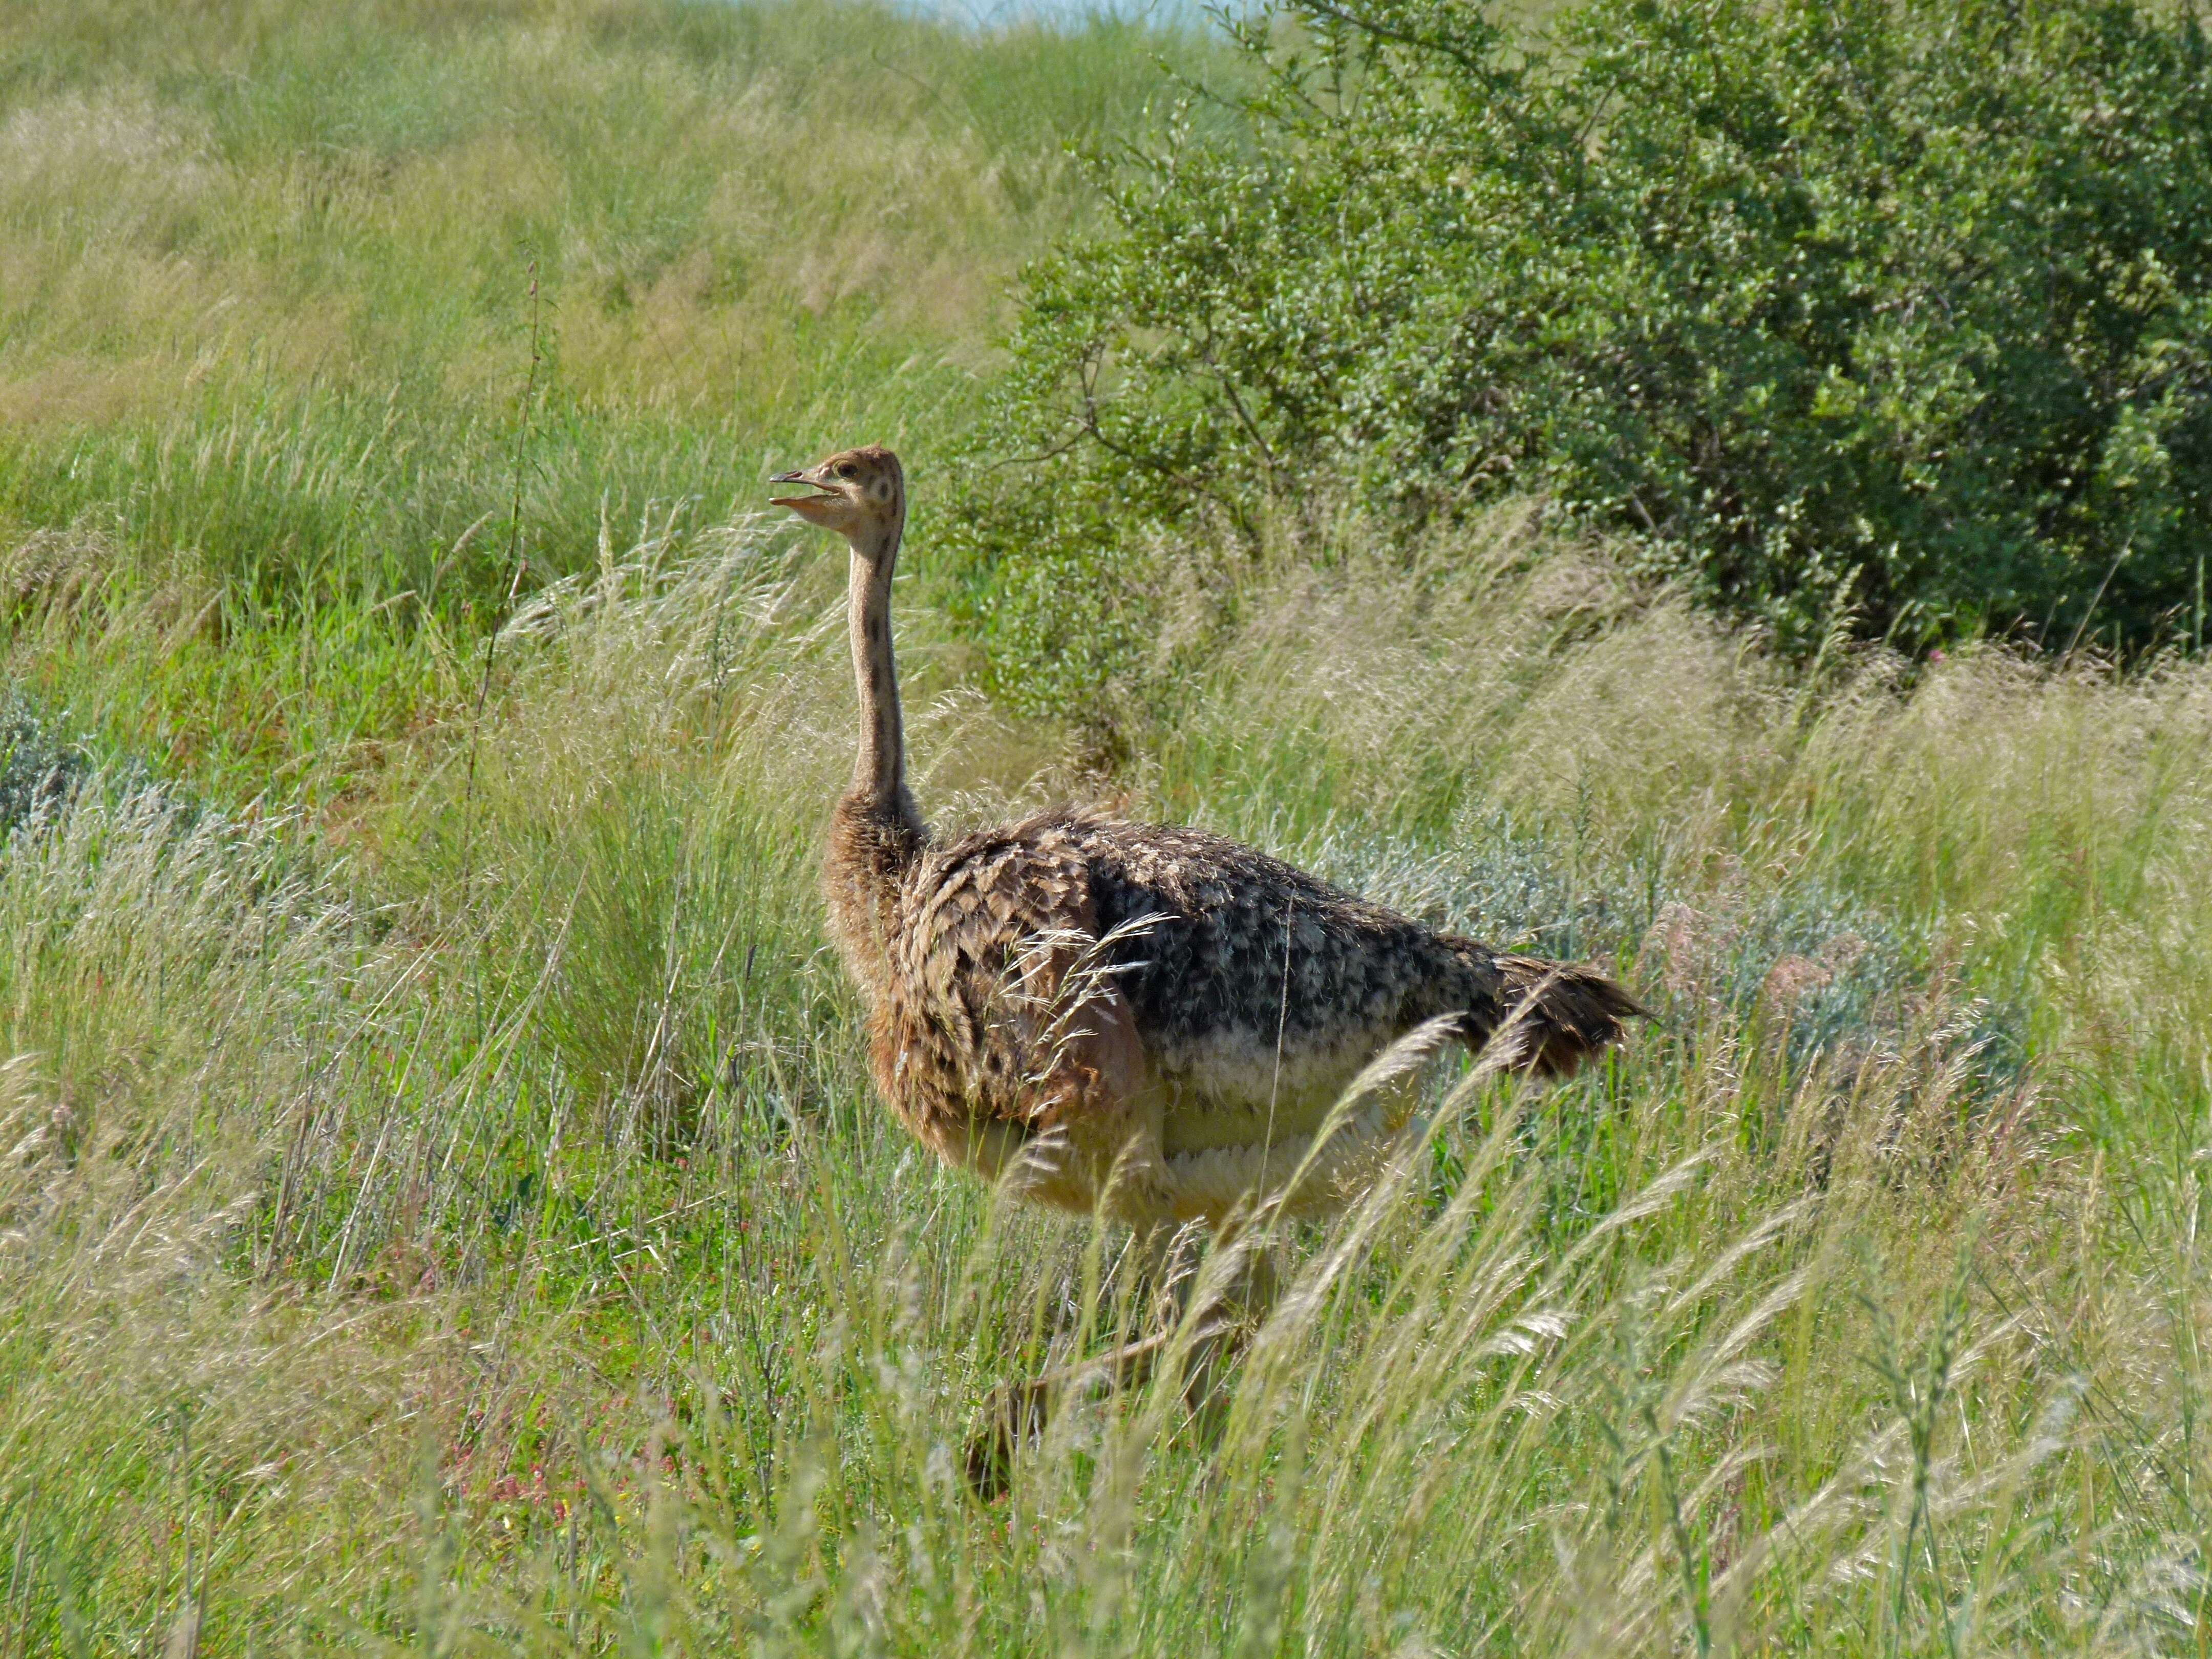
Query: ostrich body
[1148,1019]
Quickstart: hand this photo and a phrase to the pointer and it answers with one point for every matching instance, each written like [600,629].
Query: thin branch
[1383,32]
[2097,598]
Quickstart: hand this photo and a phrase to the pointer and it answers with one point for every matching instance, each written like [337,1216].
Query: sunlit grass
[541,1127]
[442,1201]
[267,322]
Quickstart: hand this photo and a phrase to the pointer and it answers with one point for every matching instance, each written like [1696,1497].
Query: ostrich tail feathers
[1559,1015]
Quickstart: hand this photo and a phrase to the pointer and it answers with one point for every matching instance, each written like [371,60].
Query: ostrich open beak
[812,508]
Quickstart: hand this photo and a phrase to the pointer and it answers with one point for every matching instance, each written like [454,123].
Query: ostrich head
[863,496]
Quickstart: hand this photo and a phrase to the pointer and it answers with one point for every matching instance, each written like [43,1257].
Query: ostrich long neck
[879,771]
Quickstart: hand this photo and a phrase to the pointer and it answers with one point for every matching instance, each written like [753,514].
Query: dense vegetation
[441,1203]
[1896,311]
[266,315]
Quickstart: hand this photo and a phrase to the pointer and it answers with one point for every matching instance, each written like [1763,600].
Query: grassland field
[442,1205]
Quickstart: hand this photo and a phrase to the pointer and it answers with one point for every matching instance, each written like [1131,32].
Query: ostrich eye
[848,470]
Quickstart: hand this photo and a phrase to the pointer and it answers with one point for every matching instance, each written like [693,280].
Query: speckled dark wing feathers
[1244,943]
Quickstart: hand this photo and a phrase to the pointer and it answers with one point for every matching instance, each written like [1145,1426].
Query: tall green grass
[442,1205]
[494,1241]
[265,274]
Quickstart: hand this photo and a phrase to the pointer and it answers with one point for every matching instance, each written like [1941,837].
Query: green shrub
[1896,306]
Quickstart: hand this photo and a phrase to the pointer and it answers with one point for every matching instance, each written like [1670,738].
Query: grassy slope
[454,1215]
[265,312]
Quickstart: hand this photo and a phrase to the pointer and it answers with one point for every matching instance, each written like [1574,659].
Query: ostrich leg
[1015,1416]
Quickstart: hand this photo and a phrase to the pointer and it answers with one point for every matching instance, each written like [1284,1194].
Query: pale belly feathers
[1236,1121]
[1215,1126]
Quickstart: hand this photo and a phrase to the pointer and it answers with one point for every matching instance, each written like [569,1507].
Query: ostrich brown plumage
[1171,1012]
[1145,1017]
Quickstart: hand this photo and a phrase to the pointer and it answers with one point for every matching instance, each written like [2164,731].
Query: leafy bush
[1896,307]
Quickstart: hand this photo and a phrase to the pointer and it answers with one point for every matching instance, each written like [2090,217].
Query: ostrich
[1144,1020]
